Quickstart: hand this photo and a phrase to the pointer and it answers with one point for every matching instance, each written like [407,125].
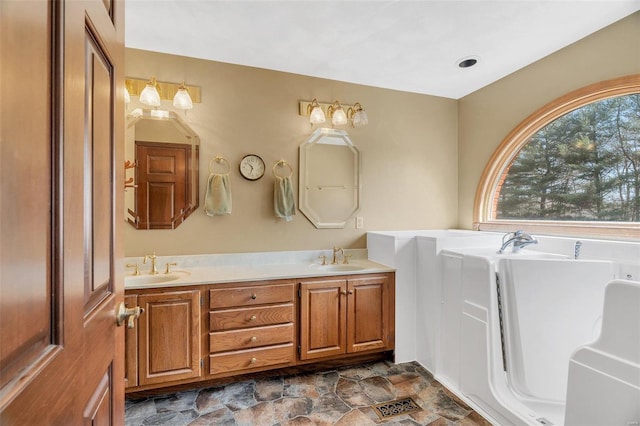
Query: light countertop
[243,267]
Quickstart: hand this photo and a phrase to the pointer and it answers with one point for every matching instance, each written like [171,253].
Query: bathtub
[512,324]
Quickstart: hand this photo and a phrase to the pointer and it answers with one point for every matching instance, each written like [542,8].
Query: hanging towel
[217,200]
[283,202]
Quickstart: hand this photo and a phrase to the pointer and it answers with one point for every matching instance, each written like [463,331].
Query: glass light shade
[360,118]
[339,117]
[150,96]
[317,116]
[182,100]
[127,97]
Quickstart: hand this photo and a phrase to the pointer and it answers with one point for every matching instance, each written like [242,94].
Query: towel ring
[219,159]
[282,163]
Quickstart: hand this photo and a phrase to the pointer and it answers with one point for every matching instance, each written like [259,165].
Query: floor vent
[396,408]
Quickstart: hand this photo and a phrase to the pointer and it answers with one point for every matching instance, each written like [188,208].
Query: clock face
[252,167]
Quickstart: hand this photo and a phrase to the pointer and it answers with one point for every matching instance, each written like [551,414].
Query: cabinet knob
[344,293]
[350,292]
[254,296]
[253,318]
[254,339]
[253,361]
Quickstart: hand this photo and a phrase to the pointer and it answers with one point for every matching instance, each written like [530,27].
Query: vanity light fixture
[357,115]
[149,95]
[337,114]
[182,100]
[151,92]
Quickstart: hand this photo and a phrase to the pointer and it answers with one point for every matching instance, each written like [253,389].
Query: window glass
[583,166]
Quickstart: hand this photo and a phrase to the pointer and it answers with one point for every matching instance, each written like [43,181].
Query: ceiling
[412,46]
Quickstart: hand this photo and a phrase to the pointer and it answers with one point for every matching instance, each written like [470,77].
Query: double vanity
[208,317]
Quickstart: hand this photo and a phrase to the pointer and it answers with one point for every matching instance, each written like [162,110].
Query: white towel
[284,204]
[217,199]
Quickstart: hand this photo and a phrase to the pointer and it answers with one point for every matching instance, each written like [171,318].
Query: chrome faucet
[335,251]
[518,240]
[154,268]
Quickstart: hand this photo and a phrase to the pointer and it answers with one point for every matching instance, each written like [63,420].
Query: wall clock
[252,167]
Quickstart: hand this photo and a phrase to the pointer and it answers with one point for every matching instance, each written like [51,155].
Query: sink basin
[154,279]
[338,267]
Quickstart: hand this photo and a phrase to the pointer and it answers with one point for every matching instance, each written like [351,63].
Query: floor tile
[338,397]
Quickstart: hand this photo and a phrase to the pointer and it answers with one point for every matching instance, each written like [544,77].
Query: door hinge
[201,362]
[299,350]
[299,292]
[201,300]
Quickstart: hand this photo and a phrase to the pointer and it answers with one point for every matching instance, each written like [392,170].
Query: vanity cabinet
[251,327]
[346,315]
[193,334]
[169,336]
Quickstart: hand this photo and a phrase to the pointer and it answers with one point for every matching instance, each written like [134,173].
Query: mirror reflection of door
[166,154]
[162,195]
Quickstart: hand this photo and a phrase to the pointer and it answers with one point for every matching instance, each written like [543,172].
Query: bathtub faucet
[518,240]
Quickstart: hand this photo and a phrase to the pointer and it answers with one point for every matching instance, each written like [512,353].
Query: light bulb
[360,118]
[150,95]
[182,100]
[339,117]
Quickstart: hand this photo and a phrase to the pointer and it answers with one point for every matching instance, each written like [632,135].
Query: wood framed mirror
[166,154]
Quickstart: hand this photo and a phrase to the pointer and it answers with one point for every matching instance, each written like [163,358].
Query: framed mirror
[165,187]
[329,187]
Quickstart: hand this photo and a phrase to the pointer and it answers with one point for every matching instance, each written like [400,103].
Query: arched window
[571,168]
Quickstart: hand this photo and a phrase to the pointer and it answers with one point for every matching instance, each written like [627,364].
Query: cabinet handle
[253,361]
[253,318]
[254,296]
[254,339]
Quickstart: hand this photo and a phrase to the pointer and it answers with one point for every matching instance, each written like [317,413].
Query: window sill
[600,230]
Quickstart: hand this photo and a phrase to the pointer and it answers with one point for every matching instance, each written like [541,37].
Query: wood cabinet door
[62,132]
[169,344]
[162,195]
[323,321]
[368,315]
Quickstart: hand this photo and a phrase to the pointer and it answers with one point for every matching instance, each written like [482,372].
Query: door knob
[128,315]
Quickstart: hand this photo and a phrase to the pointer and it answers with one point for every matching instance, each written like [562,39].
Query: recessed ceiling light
[467,62]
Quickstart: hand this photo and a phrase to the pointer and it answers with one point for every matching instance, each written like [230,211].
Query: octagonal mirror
[329,187]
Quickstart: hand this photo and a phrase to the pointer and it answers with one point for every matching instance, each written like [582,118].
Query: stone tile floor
[342,396]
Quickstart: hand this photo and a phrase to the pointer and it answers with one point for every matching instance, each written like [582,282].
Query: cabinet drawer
[250,359]
[249,296]
[250,337]
[230,319]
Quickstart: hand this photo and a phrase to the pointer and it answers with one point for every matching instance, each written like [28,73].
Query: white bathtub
[549,305]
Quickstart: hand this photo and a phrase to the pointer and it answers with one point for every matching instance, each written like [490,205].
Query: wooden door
[61,356]
[368,313]
[323,322]
[162,196]
[169,330]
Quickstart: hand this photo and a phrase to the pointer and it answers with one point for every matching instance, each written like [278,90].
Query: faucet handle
[167,267]
[324,259]
[345,259]
[135,266]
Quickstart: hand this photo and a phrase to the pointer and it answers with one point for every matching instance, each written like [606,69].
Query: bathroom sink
[340,267]
[154,279]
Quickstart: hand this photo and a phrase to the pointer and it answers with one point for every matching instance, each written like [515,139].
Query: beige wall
[409,157]
[488,115]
